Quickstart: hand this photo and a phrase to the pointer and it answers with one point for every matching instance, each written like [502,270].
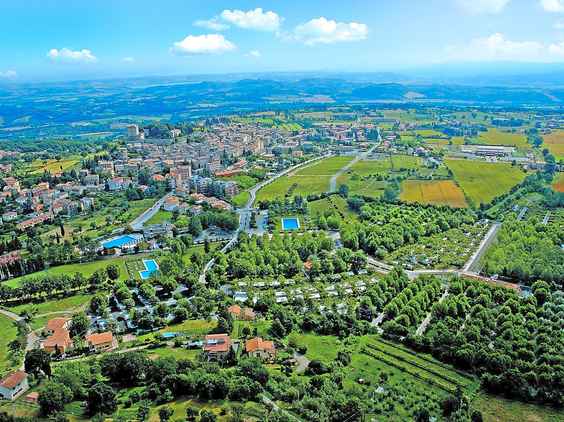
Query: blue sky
[74,39]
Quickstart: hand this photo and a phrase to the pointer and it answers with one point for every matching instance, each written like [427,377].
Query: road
[425,323]
[333,181]
[138,223]
[484,244]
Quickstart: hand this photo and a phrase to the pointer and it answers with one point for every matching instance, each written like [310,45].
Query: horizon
[107,41]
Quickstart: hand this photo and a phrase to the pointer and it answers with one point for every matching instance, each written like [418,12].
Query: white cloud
[325,31]
[203,44]
[498,47]
[253,53]
[253,19]
[477,7]
[128,59]
[554,6]
[8,74]
[559,25]
[69,56]
[214,24]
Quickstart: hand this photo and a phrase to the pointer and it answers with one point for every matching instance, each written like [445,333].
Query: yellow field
[555,143]
[558,184]
[498,137]
[53,166]
[434,192]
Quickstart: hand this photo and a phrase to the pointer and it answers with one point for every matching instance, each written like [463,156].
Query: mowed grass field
[558,184]
[498,137]
[434,192]
[308,180]
[482,181]
[555,143]
[9,333]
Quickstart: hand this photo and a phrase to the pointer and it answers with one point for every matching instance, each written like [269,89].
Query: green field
[160,217]
[241,199]
[498,137]
[86,269]
[308,180]
[482,181]
[334,204]
[555,143]
[54,166]
[9,333]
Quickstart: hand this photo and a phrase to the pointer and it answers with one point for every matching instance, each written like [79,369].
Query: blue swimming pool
[120,242]
[151,267]
[290,223]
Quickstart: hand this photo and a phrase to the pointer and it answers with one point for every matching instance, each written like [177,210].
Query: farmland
[555,143]
[558,183]
[482,181]
[305,181]
[53,166]
[498,137]
[438,192]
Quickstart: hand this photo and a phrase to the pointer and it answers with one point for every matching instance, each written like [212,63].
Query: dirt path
[333,181]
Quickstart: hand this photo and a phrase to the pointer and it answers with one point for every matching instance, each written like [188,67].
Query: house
[217,346]
[259,348]
[13,385]
[171,203]
[102,342]
[58,339]
[243,314]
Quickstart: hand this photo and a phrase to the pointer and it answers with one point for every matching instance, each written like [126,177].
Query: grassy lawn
[175,352]
[482,181]
[500,409]
[44,311]
[9,333]
[400,162]
[189,328]
[160,217]
[305,181]
[322,348]
[361,178]
[86,269]
[498,137]
[261,326]
[334,205]
[434,192]
[241,199]
[555,143]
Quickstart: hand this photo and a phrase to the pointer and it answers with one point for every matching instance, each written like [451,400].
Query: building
[58,336]
[262,349]
[171,203]
[243,314]
[13,385]
[102,342]
[487,150]
[133,131]
[217,347]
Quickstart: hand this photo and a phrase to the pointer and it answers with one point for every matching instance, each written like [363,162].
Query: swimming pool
[151,267]
[290,223]
[120,242]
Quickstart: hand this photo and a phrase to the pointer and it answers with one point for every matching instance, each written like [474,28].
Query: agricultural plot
[333,205]
[367,177]
[555,143]
[483,181]
[498,137]
[53,166]
[309,180]
[434,192]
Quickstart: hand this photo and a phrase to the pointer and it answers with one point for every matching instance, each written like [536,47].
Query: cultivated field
[498,137]
[558,184]
[9,334]
[53,166]
[434,192]
[555,143]
[482,181]
[313,179]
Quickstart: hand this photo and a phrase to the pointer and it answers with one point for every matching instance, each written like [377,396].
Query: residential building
[58,339]
[102,342]
[243,314]
[262,349]
[217,346]
[13,385]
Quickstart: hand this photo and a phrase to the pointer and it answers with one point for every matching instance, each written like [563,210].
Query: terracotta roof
[57,324]
[13,380]
[258,343]
[234,309]
[217,343]
[100,338]
[57,339]
[248,313]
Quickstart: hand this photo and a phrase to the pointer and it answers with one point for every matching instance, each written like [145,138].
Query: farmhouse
[15,384]
[58,339]
[217,347]
[259,348]
[101,342]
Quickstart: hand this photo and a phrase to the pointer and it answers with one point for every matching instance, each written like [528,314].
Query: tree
[143,410]
[191,414]
[207,416]
[344,191]
[101,399]
[79,324]
[99,303]
[53,397]
[37,361]
[165,413]
[113,272]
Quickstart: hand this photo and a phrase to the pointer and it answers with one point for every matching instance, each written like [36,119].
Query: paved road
[140,221]
[484,245]
[425,323]
[11,315]
[361,156]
